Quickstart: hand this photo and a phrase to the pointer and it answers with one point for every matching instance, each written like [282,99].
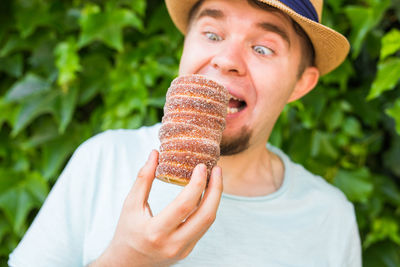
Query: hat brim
[331,48]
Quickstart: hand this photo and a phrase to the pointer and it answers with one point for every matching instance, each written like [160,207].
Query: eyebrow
[213,13]
[274,28]
[266,26]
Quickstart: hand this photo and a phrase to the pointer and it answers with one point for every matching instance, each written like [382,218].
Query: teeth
[237,99]
[232,110]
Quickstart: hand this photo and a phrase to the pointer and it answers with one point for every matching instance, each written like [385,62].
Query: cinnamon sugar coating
[169,172]
[186,158]
[192,126]
[181,130]
[197,91]
[199,146]
[198,104]
[198,119]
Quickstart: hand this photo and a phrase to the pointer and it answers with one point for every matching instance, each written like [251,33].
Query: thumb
[142,186]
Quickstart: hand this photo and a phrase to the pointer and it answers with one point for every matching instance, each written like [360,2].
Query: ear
[305,83]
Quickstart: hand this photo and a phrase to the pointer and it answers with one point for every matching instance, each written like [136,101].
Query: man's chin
[232,145]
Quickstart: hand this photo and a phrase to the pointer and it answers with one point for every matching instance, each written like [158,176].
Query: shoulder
[121,140]
[109,154]
[113,153]
[305,185]
[143,136]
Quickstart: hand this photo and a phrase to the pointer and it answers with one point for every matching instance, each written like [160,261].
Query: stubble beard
[237,144]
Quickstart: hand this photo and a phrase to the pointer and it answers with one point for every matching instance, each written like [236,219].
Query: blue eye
[213,37]
[262,50]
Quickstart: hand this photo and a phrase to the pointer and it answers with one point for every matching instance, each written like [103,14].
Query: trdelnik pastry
[192,126]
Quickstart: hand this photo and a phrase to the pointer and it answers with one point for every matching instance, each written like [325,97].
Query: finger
[199,222]
[142,186]
[215,172]
[184,204]
[190,230]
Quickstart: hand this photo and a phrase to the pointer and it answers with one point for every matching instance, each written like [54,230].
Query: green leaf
[364,19]
[139,6]
[390,43]
[12,65]
[67,62]
[392,155]
[314,103]
[42,56]
[134,121]
[299,148]
[6,183]
[368,112]
[65,107]
[384,253]
[156,101]
[16,204]
[352,127]
[19,195]
[6,18]
[383,228]
[334,117]
[396,7]
[106,26]
[335,4]
[394,112]
[32,109]
[94,77]
[340,76]
[15,43]
[7,112]
[57,151]
[31,85]
[31,14]
[43,131]
[322,144]
[388,189]
[387,77]
[357,184]
[4,228]
[37,187]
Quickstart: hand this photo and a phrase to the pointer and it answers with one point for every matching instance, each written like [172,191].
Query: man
[272,212]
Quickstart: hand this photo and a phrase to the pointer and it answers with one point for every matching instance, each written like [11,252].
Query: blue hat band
[302,7]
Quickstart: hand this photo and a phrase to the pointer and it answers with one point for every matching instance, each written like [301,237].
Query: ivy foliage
[70,69]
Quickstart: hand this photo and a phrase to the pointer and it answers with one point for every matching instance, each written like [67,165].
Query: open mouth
[236,105]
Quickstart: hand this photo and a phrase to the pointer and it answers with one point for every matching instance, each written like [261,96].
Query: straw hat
[331,48]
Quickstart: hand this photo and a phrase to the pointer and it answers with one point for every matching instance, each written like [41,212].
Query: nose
[230,60]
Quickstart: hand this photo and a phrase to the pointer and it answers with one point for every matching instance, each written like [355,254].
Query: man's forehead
[211,12]
[215,8]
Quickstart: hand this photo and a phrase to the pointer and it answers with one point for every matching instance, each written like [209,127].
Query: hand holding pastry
[142,239]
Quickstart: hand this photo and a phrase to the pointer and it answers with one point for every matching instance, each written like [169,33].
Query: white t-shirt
[307,222]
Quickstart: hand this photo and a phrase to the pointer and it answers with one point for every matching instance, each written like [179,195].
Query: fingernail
[200,169]
[218,171]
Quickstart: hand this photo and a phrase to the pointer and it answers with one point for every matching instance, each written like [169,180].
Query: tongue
[234,103]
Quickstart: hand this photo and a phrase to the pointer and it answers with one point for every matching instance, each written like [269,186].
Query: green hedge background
[70,69]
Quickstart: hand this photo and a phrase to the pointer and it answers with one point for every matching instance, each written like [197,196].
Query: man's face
[255,54]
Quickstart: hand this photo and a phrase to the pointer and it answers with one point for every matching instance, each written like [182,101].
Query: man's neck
[254,172]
